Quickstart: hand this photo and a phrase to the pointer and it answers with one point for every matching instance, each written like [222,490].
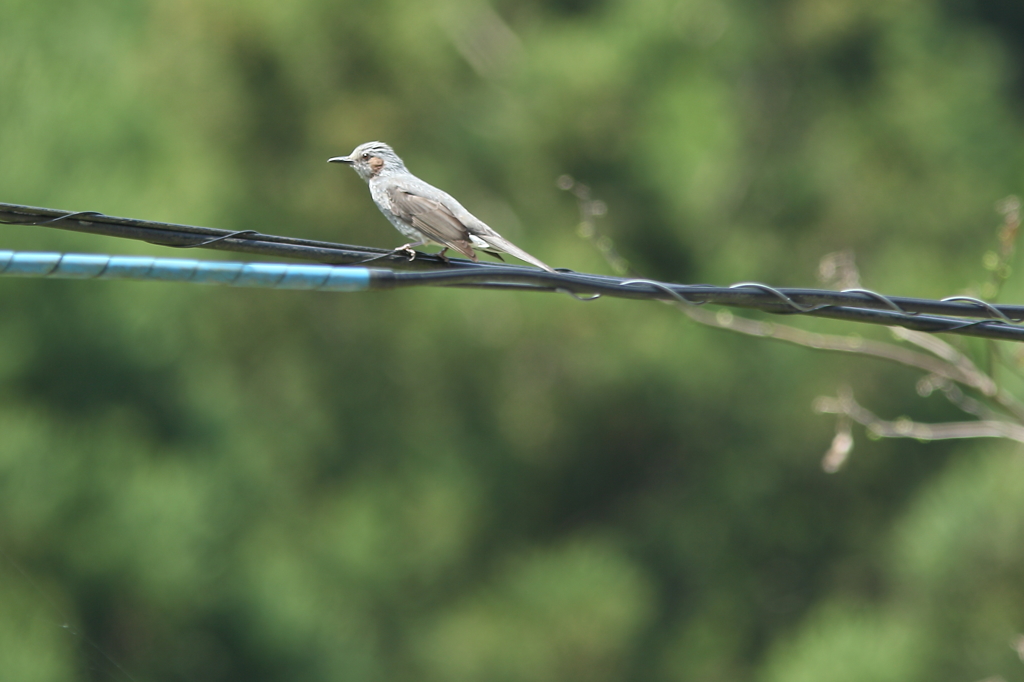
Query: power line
[957,315]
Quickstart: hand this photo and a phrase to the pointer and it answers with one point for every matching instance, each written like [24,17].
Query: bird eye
[366,155]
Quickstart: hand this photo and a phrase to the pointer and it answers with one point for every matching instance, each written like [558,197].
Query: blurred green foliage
[212,484]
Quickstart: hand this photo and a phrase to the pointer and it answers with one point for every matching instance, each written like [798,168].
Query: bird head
[371,159]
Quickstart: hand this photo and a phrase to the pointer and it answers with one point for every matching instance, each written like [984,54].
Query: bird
[423,213]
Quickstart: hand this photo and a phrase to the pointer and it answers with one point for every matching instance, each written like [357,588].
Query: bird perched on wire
[422,212]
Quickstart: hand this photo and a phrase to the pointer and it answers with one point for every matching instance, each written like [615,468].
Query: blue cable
[264,275]
[838,305]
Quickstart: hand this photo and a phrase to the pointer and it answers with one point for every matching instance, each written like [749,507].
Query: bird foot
[407,250]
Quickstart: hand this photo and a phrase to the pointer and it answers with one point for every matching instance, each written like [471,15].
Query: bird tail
[502,244]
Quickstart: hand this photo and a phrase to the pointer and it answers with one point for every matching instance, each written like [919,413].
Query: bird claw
[407,250]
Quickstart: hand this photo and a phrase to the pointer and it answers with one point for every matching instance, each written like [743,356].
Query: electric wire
[857,305]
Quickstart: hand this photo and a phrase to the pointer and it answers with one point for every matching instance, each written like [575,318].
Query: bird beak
[340,159]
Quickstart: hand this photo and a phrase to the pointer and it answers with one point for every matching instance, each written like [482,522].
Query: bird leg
[444,258]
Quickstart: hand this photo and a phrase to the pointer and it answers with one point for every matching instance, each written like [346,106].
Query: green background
[204,484]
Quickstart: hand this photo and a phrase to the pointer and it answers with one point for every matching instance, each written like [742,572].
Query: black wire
[854,305]
[699,294]
[211,240]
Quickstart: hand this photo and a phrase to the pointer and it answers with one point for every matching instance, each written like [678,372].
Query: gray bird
[422,212]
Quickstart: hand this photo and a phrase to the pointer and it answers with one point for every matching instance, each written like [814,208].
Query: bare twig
[590,209]
[844,404]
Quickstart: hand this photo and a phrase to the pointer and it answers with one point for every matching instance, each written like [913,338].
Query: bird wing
[432,218]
